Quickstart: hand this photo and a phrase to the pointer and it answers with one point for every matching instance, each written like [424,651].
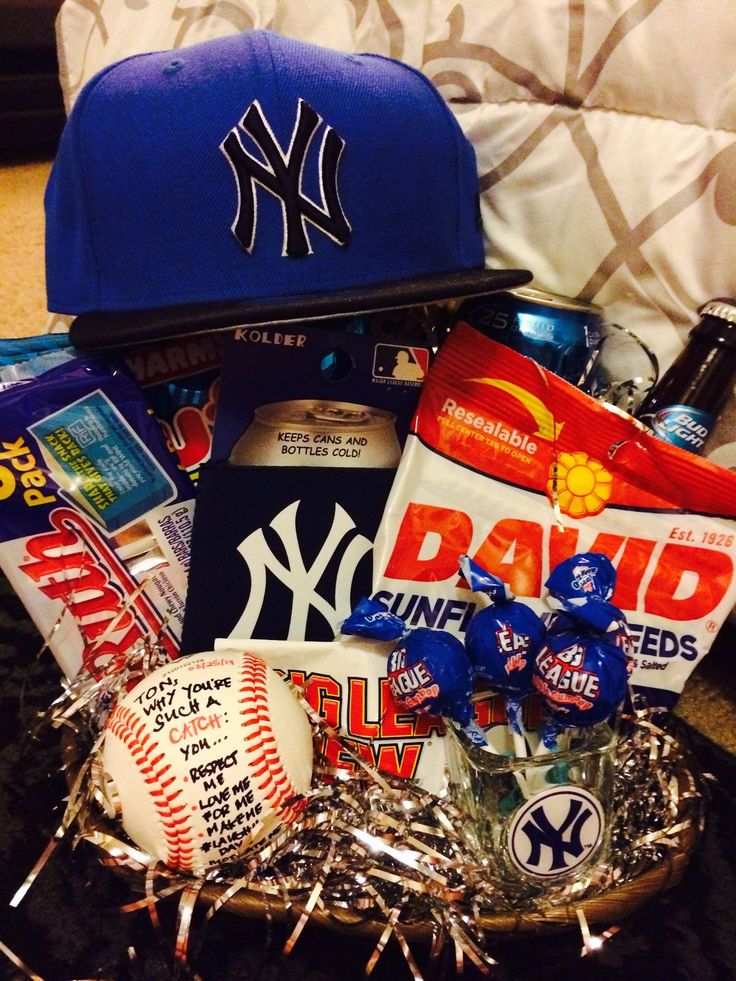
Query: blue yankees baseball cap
[258,179]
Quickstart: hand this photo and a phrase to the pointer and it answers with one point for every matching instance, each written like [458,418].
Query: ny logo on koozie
[282,175]
[339,555]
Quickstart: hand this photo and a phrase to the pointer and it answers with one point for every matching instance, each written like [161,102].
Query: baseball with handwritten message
[206,756]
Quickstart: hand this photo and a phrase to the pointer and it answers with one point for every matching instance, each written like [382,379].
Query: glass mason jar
[540,820]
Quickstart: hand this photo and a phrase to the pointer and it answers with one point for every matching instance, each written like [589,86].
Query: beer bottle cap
[724,309]
[718,322]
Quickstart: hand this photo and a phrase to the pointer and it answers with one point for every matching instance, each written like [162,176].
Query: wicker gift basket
[669,814]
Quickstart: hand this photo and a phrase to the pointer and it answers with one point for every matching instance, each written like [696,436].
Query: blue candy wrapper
[582,671]
[371,619]
[428,670]
[582,586]
[582,679]
[25,358]
[502,640]
[13,350]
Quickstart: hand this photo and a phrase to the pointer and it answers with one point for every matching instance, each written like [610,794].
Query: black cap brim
[107,330]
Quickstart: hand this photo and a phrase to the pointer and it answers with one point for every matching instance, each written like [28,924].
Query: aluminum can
[318,433]
[559,333]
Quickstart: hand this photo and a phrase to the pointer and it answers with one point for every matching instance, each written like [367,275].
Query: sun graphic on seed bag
[579,484]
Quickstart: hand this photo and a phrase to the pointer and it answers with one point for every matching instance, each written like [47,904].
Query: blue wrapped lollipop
[428,670]
[582,671]
[502,641]
[581,586]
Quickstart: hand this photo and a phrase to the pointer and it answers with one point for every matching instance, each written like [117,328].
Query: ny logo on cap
[282,175]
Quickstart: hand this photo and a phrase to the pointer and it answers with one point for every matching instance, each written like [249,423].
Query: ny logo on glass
[306,585]
[282,175]
[555,831]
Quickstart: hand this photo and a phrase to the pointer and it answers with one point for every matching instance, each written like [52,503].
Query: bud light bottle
[683,407]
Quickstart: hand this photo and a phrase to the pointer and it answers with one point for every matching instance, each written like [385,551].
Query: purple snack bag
[95,514]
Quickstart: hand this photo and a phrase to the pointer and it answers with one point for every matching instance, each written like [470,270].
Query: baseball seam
[261,746]
[177,830]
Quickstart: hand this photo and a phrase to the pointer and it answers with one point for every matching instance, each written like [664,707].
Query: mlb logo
[400,363]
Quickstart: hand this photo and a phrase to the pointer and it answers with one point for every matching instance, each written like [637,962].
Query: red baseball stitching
[261,747]
[130,729]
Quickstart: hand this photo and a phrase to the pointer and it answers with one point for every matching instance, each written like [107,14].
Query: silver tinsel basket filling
[381,856]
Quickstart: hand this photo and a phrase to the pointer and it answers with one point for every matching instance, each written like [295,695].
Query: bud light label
[683,426]
[554,832]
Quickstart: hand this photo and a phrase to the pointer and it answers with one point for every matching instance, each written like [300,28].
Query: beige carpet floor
[22,279]
[709,700]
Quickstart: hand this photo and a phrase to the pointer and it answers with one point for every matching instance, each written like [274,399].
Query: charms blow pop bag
[518,469]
